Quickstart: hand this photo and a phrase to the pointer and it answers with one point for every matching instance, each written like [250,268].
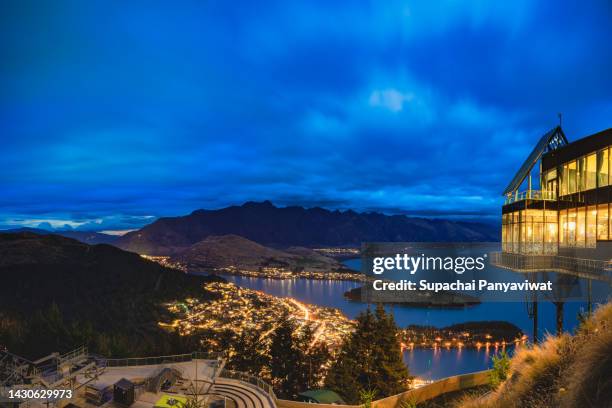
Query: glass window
[581,174]
[515,237]
[523,233]
[564,227]
[591,226]
[603,167]
[551,216]
[563,180]
[571,177]
[580,226]
[602,221]
[591,171]
[571,227]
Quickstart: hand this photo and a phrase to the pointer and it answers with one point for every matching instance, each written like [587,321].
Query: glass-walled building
[565,209]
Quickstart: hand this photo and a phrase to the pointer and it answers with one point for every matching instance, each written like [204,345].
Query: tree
[391,371]
[370,359]
[285,359]
[248,354]
[313,358]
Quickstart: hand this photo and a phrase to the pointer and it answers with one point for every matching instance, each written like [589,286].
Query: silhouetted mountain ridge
[88,237]
[282,227]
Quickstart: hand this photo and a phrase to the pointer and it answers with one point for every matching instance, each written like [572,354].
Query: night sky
[111,115]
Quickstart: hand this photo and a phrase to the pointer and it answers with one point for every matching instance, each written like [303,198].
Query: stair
[244,395]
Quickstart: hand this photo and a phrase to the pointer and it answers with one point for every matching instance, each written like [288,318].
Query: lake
[425,363]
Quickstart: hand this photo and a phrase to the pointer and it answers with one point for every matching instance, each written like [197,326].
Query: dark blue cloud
[111,114]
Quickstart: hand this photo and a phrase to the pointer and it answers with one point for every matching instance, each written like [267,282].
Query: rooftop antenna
[560,115]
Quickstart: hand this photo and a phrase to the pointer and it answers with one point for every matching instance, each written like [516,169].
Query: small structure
[97,393]
[123,392]
[321,397]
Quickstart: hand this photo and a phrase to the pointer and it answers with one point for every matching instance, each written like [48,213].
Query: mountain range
[87,237]
[284,227]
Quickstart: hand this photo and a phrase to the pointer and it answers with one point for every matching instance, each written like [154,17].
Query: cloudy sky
[113,114]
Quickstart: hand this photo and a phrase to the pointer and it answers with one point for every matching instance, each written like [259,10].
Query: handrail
[541,195]
[175,358]
[413,396]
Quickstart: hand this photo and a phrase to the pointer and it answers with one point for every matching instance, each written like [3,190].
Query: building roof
[552,140]
[580,147]
[322,396]
[124,384]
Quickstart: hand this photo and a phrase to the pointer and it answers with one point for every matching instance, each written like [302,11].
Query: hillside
[216,252]
[567,371]
[58,292]
[88,237]
[296,226]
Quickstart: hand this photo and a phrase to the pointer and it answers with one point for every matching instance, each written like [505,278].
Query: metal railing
[531,248]
[75,354]
[251,379]
[551,262]
[176,358]
[540,195]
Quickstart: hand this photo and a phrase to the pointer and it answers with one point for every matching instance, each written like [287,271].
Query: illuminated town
[283,273]
[339,252]
[165,261]
[238,310]
[267,272]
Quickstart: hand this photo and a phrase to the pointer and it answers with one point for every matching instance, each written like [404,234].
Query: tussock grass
[565,371]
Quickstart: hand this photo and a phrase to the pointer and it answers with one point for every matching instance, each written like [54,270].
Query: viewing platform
[587,268]
[147,382]
[535,195]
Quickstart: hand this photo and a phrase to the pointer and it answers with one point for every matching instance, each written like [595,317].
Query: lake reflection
[425,363]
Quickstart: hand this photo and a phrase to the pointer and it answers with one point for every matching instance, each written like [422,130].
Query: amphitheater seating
[243,394]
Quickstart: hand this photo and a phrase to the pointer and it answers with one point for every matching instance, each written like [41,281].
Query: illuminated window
[603,166]
[602,221]
[563,180]
[580,226]
[571,227]
[581,174]
[591,226]
[563,230]
[549,183]
[571,177]
[591,171]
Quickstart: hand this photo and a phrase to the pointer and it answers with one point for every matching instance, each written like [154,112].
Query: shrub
[501,367]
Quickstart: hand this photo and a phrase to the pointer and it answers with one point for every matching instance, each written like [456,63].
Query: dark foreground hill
[296,226]
[88,237]
[216,252]
[57,293]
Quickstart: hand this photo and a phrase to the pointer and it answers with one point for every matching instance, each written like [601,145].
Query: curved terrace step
[242,400]
[246,395]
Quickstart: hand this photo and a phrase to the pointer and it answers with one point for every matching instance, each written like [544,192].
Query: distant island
[482,334]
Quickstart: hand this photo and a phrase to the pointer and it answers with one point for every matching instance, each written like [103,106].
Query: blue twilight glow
[111,114]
